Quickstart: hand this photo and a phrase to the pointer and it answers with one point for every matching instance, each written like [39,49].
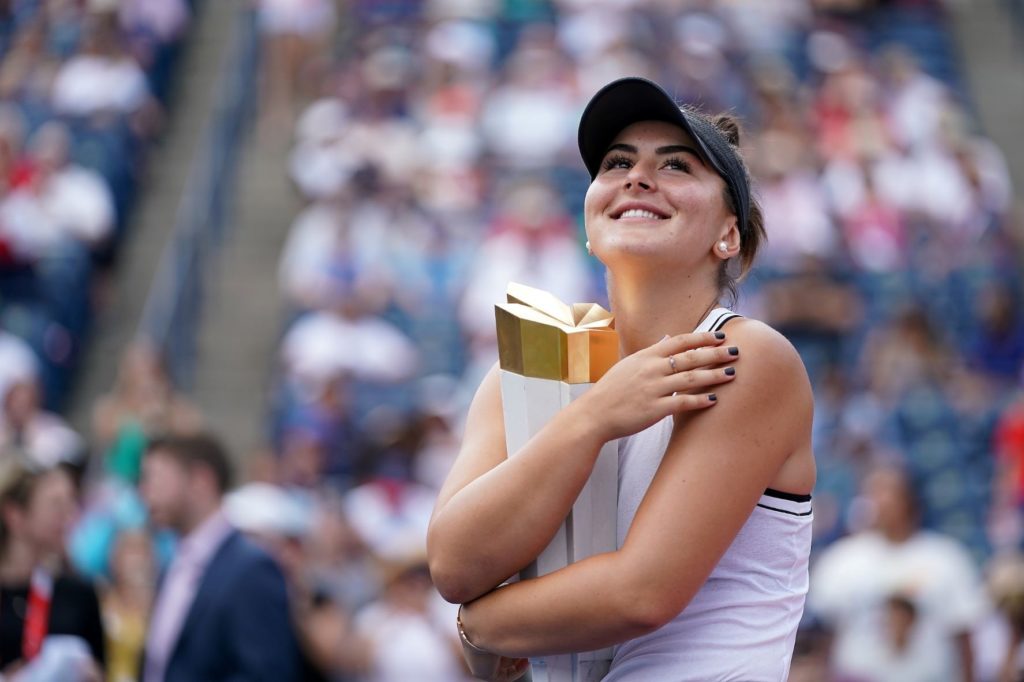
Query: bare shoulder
[769,343]
[769,402]
[768,360]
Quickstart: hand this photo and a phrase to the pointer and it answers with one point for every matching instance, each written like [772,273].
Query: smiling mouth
[639,213]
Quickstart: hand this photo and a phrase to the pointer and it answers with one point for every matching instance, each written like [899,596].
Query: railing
[171,316]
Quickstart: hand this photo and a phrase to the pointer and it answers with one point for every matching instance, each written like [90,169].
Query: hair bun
[729,126]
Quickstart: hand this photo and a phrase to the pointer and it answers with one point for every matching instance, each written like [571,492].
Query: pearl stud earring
[589,250]
[723,247]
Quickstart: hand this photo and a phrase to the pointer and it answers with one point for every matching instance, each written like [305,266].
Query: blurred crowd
[83,87]
[433,145]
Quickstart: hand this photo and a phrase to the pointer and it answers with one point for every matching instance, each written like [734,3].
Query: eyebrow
[667,149]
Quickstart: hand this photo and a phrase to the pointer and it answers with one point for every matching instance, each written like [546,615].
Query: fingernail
[730,371]
[719,335]
[712,397]
[664,337]
[733,350]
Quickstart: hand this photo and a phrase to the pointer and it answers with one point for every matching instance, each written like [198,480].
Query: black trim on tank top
[785,511]
[720,322]
[792,497]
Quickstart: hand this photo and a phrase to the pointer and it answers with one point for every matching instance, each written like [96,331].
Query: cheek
[595,201]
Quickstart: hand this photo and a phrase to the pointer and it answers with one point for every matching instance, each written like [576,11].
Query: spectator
[75,199]
[28,70]
[534,89]
[151,25]
[409,631]
[1006,585]
[292,30]
[328,344]
[222,610]
[127,601]
[901,601]
[1007,508]
[996,342]
[12,136]
[39,599]
[142,404]
[34,436]
[18,362]
[102,80]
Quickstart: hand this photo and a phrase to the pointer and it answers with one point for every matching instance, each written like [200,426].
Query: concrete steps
[125,293]
[242,314]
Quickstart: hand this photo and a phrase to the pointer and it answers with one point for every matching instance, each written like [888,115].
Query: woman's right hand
[671,376]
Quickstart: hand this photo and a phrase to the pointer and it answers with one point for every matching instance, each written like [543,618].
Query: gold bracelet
[462,633]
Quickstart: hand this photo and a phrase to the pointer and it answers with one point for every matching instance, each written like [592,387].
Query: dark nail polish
[719,335]
[734,350]
[712,397]
[730,371]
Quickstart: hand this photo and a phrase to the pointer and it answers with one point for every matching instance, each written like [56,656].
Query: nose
[639,177]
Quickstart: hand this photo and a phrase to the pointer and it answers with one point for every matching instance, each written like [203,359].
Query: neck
[648,308]
[18,562]
[896,533]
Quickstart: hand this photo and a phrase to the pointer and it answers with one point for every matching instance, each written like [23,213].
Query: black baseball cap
[626,101]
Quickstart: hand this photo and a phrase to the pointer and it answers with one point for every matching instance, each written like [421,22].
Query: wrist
[460,622]
[483,664]
[584,421]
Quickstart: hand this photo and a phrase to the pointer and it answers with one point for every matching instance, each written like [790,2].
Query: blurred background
[287,221]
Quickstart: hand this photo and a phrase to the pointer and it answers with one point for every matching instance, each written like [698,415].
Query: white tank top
[741,624]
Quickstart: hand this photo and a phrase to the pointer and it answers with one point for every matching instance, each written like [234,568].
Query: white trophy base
[590,528]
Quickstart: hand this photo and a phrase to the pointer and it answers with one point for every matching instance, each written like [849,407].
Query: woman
[38,600]
[143,402]
[710,575]
[127,601]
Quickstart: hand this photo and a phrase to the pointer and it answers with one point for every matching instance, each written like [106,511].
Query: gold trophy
[550,353]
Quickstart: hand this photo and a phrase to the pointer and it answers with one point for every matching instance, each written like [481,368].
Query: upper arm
[483,442]
[717,465]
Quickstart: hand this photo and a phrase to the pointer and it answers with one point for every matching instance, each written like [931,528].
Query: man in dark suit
[221,613]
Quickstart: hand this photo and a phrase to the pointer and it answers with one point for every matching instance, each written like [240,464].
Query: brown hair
[201,449]
[19,484]
[754,234]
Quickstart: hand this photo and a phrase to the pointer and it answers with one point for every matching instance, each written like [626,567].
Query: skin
[38,530]
[662,280]
[178,497]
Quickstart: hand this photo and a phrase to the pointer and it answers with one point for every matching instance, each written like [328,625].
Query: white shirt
[87,84]
[322,346]
[851,582]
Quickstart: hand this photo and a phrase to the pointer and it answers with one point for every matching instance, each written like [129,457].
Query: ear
[728,243]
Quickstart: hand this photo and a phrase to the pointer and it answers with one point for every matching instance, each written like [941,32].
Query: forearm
[502,520]
[583,607]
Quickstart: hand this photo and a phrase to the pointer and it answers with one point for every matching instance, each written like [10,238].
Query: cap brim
[620,104]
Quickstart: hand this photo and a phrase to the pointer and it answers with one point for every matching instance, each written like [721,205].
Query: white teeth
[640,213]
